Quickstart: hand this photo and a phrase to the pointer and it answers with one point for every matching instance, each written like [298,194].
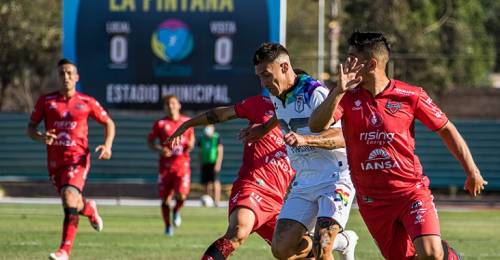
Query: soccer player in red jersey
[258,193]
[378,118]
[174,177]
[65,114]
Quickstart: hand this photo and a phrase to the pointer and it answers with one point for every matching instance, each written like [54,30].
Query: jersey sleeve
[243,108]
[318,96]
[429,113]
[339,112]
[38,112]
[154,133]
[97,112]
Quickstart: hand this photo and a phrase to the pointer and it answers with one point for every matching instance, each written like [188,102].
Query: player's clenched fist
[166,152]
[475,184]
[294,139]
[176,138]
[49,136]
[105,152]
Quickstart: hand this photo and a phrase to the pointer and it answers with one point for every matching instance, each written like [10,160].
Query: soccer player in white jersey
[321,195]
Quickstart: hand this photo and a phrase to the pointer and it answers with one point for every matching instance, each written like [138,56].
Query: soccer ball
[207,201]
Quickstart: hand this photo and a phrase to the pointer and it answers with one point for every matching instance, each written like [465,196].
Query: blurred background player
[321,194]
[211,154]
[65,114]
[174,173]
[378,118]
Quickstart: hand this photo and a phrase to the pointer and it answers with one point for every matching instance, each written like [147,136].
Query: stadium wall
[134,166]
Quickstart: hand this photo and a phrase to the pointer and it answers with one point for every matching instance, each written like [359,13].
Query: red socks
[449,252]
[178,205]
[70,227]
[218,250]
[165,212]
[87,210]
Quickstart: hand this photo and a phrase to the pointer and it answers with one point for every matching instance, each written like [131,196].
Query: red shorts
[264,205]
[74,175]
[395,223]
[171,181]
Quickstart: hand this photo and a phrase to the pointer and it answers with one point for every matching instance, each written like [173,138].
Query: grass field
[32,231]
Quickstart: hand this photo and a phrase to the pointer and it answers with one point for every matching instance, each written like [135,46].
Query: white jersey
[314,166]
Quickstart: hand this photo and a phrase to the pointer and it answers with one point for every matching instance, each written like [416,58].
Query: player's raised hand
[49,136]
[348,78]
[475,184]
[105,152]
[252,133]
[166,152]
[294,139]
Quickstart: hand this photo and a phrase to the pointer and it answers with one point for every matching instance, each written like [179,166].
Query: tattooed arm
[329,139]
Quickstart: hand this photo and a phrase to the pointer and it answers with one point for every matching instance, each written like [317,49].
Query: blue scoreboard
[130,53]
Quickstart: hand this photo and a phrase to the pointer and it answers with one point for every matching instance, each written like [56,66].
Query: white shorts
[332,201]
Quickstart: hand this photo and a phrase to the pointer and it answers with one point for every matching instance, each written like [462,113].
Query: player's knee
[180,196]
[238,234]
[70,195]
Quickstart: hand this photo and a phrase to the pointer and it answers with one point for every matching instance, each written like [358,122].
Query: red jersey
[163,129]
[380,137]
[68,117]
[265,162]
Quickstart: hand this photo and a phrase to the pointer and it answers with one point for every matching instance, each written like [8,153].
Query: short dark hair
[371,44]
[268,52]
[65,61]
[168,97]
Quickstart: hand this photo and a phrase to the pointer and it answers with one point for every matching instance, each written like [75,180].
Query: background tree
[302,33]
[436,44]
[492,8]
[30,40]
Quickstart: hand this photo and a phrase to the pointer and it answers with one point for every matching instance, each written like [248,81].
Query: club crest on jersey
[52,105]
[79,106]
[299,103]
[375,119]
[392,106]
[357,105]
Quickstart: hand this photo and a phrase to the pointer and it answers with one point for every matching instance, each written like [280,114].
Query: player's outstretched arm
[322,116]
[458,147]
[48,137]
[109,136]
[212,116]
[254,132]
[329,139]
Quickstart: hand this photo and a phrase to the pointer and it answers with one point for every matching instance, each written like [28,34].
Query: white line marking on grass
[106,202]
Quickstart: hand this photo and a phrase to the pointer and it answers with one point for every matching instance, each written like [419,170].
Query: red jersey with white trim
[68,117]
[265,162]
[163,129]
[380,137]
